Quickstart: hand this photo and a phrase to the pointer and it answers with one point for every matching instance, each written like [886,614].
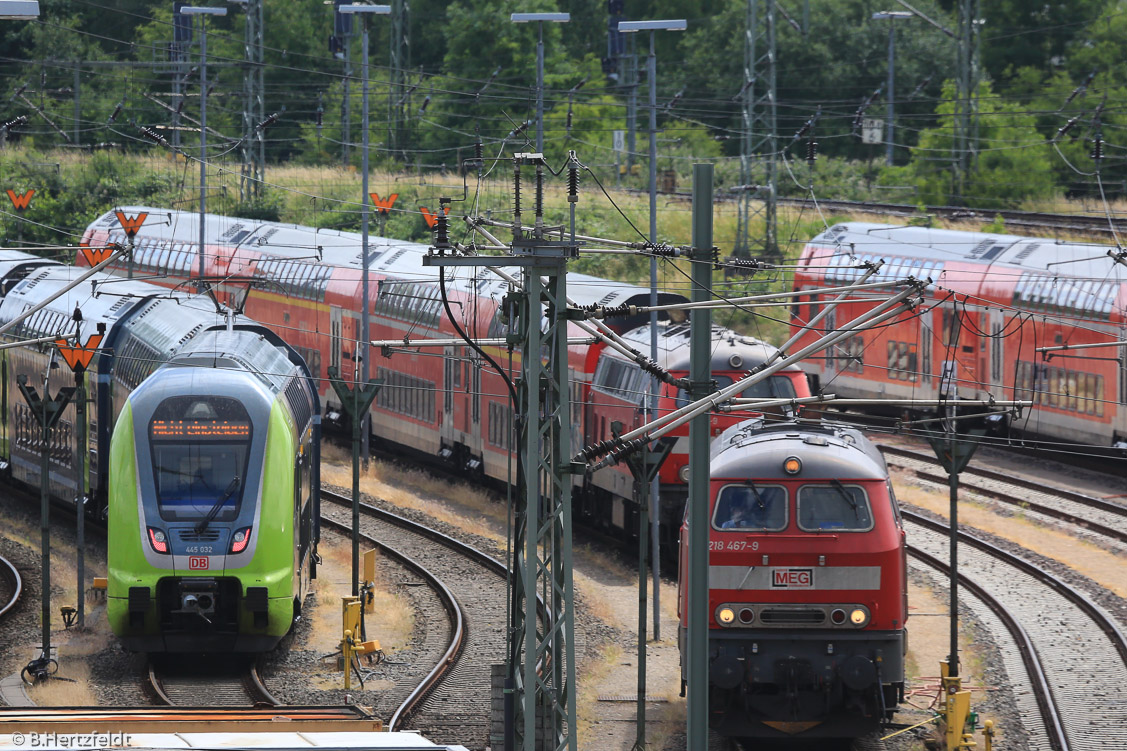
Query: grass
[392,621]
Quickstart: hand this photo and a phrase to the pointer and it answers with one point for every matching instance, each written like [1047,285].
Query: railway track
[1077,696]
[187,683]
[1095,224]
[1094,515]
[11,586]
[452,702]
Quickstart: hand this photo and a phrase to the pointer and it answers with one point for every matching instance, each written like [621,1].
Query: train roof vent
[980,248]
[395,257]
[121,303]
[607,298]
[1026,252]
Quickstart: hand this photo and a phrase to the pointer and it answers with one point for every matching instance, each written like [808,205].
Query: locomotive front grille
[792,616]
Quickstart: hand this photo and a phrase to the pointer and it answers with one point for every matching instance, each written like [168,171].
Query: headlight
[683,473]
[726,615]
[858,617]
[240,539]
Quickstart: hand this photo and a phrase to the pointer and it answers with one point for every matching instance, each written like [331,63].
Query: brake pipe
[887,310]
[120,250]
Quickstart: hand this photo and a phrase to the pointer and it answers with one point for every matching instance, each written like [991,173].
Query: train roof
[247,348]
[757,450]
[118,297]
[730,351]
[903,242]
[15,264]
[313,246]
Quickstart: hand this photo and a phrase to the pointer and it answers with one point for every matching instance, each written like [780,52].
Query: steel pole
[365,315]
[80,418]
[700,361]
[346,101]
[655,384]
[203,147]
[540,90]
[891,95]
[953,657]
[45,528]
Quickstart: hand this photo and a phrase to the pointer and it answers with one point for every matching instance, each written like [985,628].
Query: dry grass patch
[464,506]
[392,622]
[1081,556]
[590,675]
[74,691]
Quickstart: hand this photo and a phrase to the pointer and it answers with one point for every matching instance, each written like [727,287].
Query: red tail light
[240,540]
[158,540]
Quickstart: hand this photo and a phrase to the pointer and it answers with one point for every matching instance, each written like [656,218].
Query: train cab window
[834,508]
[199,451]
[751,506]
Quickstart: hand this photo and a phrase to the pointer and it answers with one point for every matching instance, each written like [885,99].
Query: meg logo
[197,562]
[792,578]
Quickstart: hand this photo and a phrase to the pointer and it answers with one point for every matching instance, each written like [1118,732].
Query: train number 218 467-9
[733,545]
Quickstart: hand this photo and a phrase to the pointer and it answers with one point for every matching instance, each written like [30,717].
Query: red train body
[993,301]
[458,411]
[807,583]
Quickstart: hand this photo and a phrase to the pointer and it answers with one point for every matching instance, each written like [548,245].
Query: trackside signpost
[47,411]
[355,400]
[954,451]
[78,356]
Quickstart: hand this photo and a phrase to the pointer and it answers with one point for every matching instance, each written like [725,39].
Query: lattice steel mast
[757,197]
[254,107]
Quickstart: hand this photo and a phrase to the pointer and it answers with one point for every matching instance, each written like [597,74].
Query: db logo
[792,578]
[197,562]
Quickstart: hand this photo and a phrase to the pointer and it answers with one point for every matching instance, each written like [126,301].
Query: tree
[1014,163]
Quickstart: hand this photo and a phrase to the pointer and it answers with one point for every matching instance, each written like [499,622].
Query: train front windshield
[199,449]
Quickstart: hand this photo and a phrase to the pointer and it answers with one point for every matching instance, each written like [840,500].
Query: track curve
[11,586]
[1082,650]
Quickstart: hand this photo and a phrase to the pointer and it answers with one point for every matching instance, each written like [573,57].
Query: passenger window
[751,507]
[835,507]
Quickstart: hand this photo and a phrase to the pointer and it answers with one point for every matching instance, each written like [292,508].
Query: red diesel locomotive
[994,300]
[807,583]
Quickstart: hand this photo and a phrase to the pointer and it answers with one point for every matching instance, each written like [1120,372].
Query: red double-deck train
[459,412]
[994,300]
[807,583]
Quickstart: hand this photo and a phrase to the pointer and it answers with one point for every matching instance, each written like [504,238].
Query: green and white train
[202,454]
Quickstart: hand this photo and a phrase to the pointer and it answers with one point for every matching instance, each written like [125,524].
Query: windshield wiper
[848,498]
[218,504]
[758,498]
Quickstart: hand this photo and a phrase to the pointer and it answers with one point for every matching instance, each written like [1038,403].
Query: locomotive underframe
[202,614]
[776,683]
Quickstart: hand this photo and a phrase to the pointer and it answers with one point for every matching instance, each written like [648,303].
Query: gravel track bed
[1087,675]
[432,624]
[458,709]
[1076,509]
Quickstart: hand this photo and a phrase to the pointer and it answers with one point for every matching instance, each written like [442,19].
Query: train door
[450,372]
[1120,412]
[996,347]
[335,337]
[474,434]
